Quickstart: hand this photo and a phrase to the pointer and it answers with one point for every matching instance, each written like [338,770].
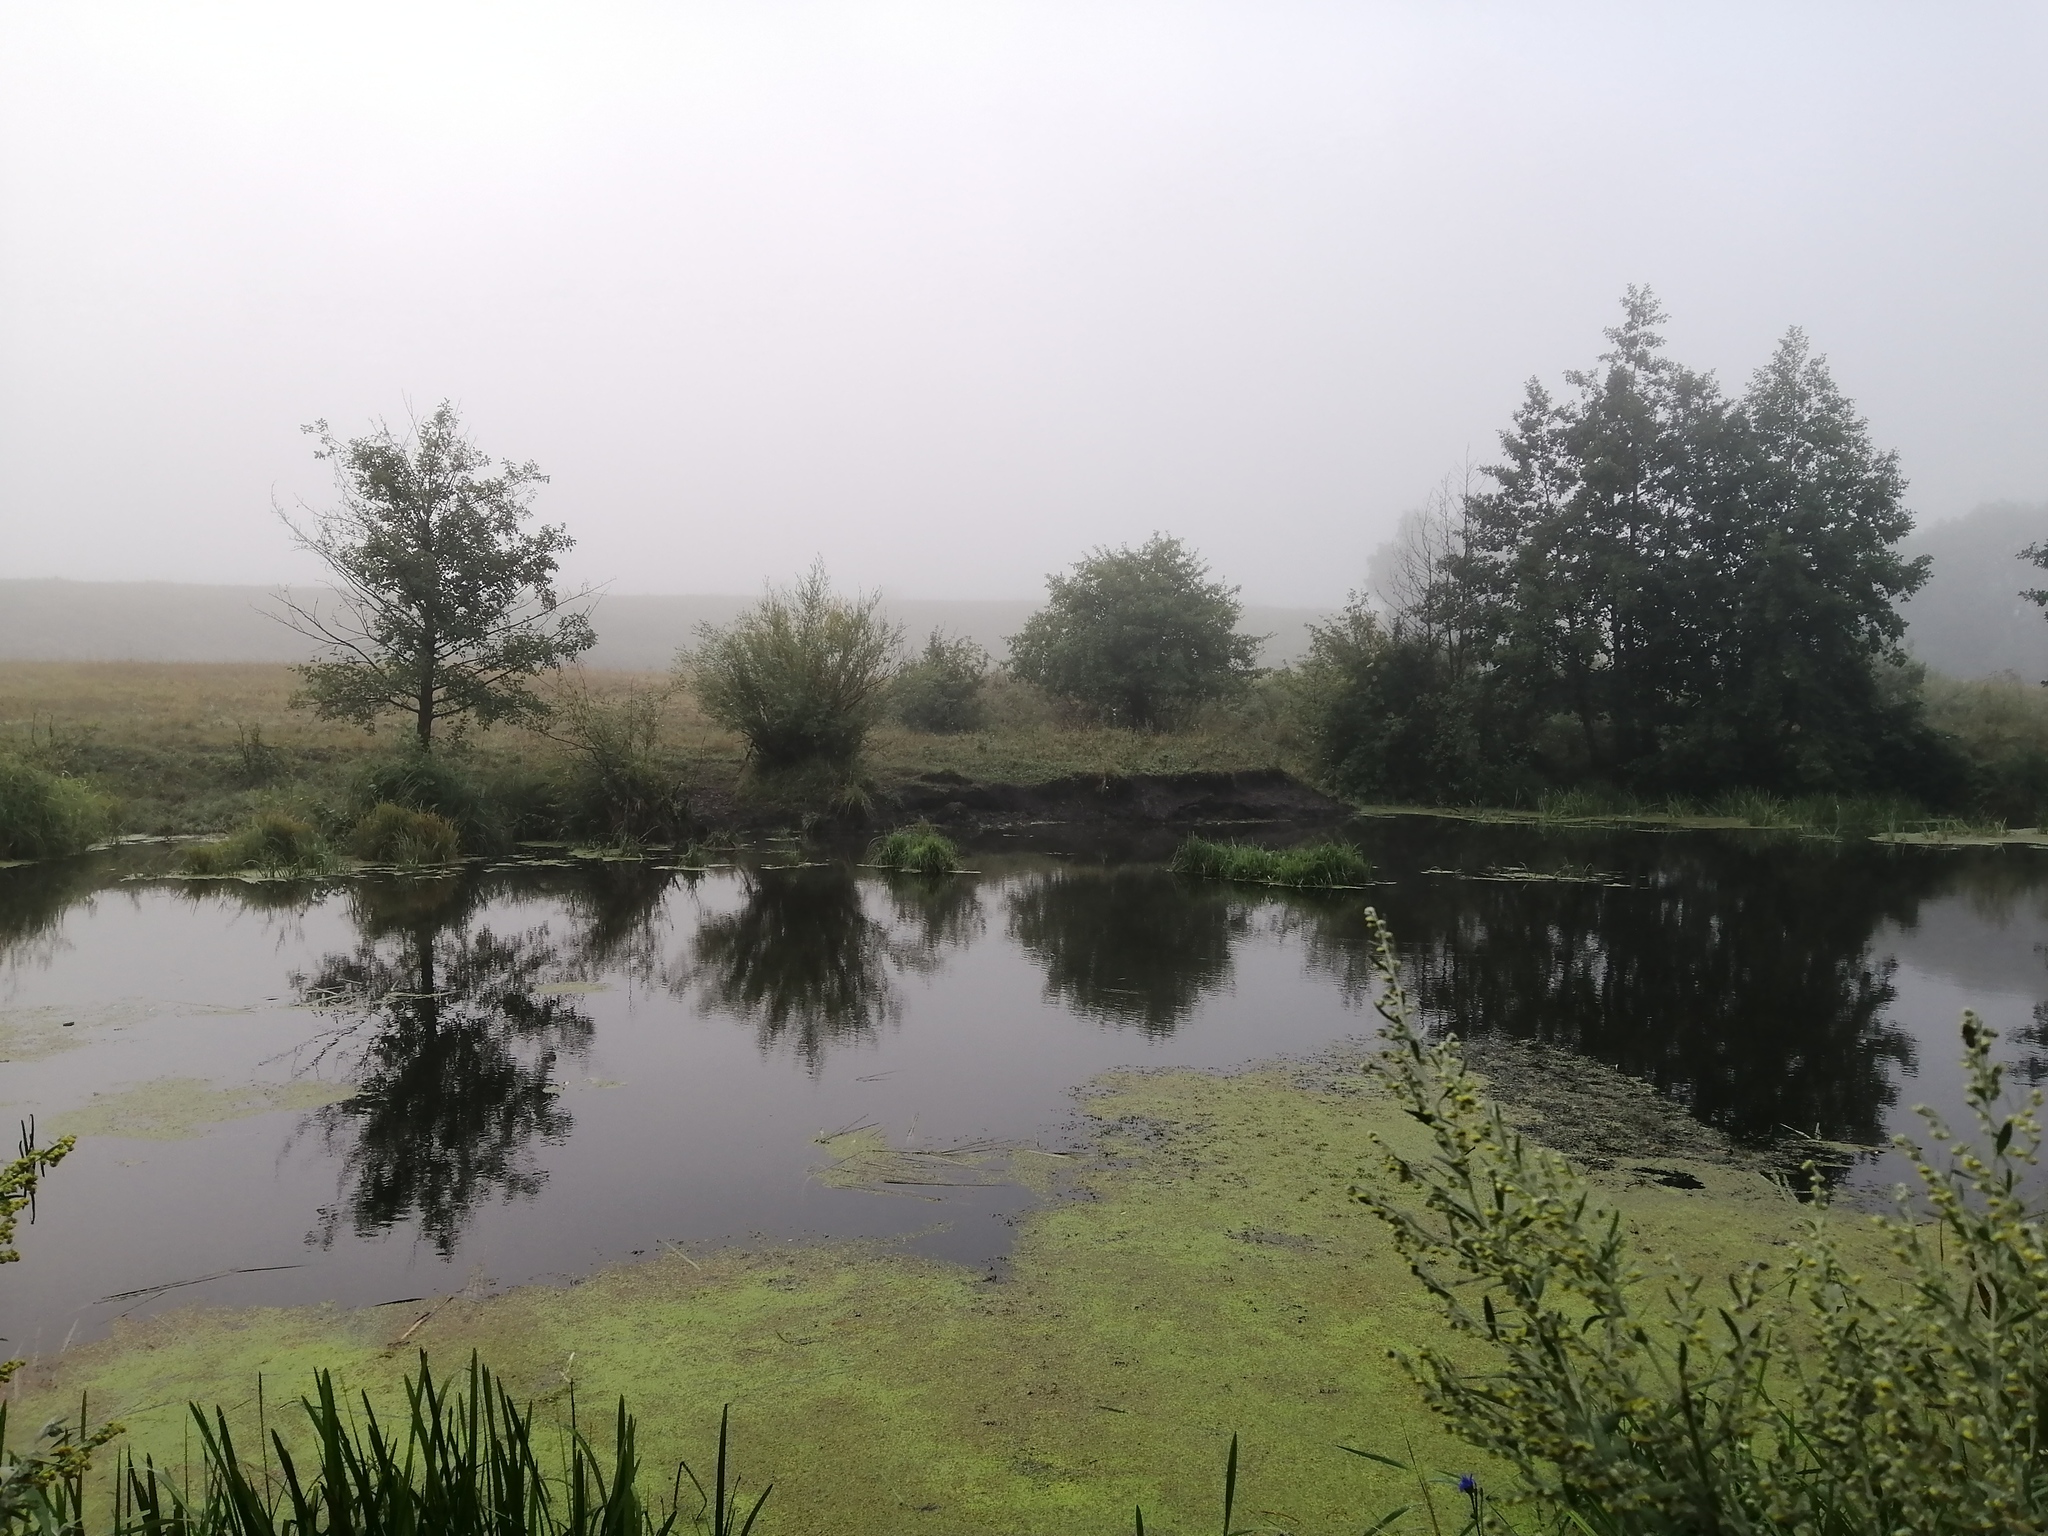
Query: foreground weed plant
[1794,1397]
[1324,866]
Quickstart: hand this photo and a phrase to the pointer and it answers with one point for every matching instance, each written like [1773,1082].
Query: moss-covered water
[866,1156]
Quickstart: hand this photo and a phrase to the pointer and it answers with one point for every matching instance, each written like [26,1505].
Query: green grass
[456,1463]
[273,842]
[919,850]
[45,814]
[1314,866]
[397,834]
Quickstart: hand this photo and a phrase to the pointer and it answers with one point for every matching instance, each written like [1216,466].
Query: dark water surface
[552,1068]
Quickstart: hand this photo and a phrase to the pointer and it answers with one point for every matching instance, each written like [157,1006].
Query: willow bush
[802,675]
[1795,1395]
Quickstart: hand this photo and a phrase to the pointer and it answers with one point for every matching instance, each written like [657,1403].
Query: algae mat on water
[1213,1277]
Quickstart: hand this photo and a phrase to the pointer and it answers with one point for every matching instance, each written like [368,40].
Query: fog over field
[949,294]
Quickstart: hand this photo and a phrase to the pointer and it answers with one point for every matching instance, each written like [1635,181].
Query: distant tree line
[1660,588]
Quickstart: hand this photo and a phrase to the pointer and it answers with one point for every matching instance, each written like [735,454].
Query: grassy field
[191,747]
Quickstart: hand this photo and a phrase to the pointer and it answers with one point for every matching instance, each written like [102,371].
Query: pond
[379,1089]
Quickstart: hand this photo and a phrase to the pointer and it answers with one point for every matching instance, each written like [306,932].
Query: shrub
[431,781]
[620,788]
[941,691]
[921,850]
[1797,1398]
[2000,727]
[44,814]
[398,834]
[1136,637]
[272,841]
[801,675]
[1317,865]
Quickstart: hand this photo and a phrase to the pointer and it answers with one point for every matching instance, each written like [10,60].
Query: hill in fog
[1969,620]
[171,621]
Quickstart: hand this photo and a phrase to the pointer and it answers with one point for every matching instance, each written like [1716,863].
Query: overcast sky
[949,292]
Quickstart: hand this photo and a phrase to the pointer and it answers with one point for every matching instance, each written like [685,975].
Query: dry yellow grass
[167,736]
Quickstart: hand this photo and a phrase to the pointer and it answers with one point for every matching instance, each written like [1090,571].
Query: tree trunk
[424,725]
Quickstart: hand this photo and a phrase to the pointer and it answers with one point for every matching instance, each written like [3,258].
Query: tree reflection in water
[1128,946]
[801,958]
[1735,975]
[804,960]
[455,1048]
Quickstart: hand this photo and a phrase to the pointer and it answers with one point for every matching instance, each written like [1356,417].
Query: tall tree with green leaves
[1703,587]
[1795,579]
[1577,558]
[1136,636]
[446,607]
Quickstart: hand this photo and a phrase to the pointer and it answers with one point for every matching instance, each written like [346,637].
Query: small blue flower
[1468,1484]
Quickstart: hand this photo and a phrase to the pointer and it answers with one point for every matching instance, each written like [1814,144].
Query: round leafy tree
[1137,637]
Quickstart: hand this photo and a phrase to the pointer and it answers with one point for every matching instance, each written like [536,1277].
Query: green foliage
[1797,1395]
[2000,726]
[398,834]
[421,781]
[45,814]
[1390,718]
[1663,589]
[274,842]
[802,675]
[919,850]
[1136,637]
[447,606]
[621,789]
[1314,866]
[41,1491]
[462,1464]
[941,689]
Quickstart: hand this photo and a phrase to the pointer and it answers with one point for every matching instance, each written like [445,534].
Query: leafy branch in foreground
[1803,1398]
[41,1490]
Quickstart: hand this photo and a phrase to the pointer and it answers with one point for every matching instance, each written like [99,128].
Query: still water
[382,1089]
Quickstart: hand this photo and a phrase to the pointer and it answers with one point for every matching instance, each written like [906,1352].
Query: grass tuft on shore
[918,850]
[45,814]
[1315,866]
[398,834]
[272,842]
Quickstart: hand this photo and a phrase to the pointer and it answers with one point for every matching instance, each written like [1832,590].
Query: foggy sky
[949,292]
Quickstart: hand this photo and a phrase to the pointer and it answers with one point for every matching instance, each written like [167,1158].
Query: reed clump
[1314,866]
[459,1463]
[44,814]
[398,834]
[918,850]
[271,842]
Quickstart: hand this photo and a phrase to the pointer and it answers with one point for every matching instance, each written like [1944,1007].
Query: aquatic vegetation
[1216,1277]
[1315,866]
[397,834]
[918,850]
[1795,1394]
[44,814]
[273,842]
[458,1464]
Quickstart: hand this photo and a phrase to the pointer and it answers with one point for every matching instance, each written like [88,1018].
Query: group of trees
[446,610]
[1661,587]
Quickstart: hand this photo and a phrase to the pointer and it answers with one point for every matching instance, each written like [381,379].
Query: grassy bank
[201,748]
[188,748]
[1218,1279]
